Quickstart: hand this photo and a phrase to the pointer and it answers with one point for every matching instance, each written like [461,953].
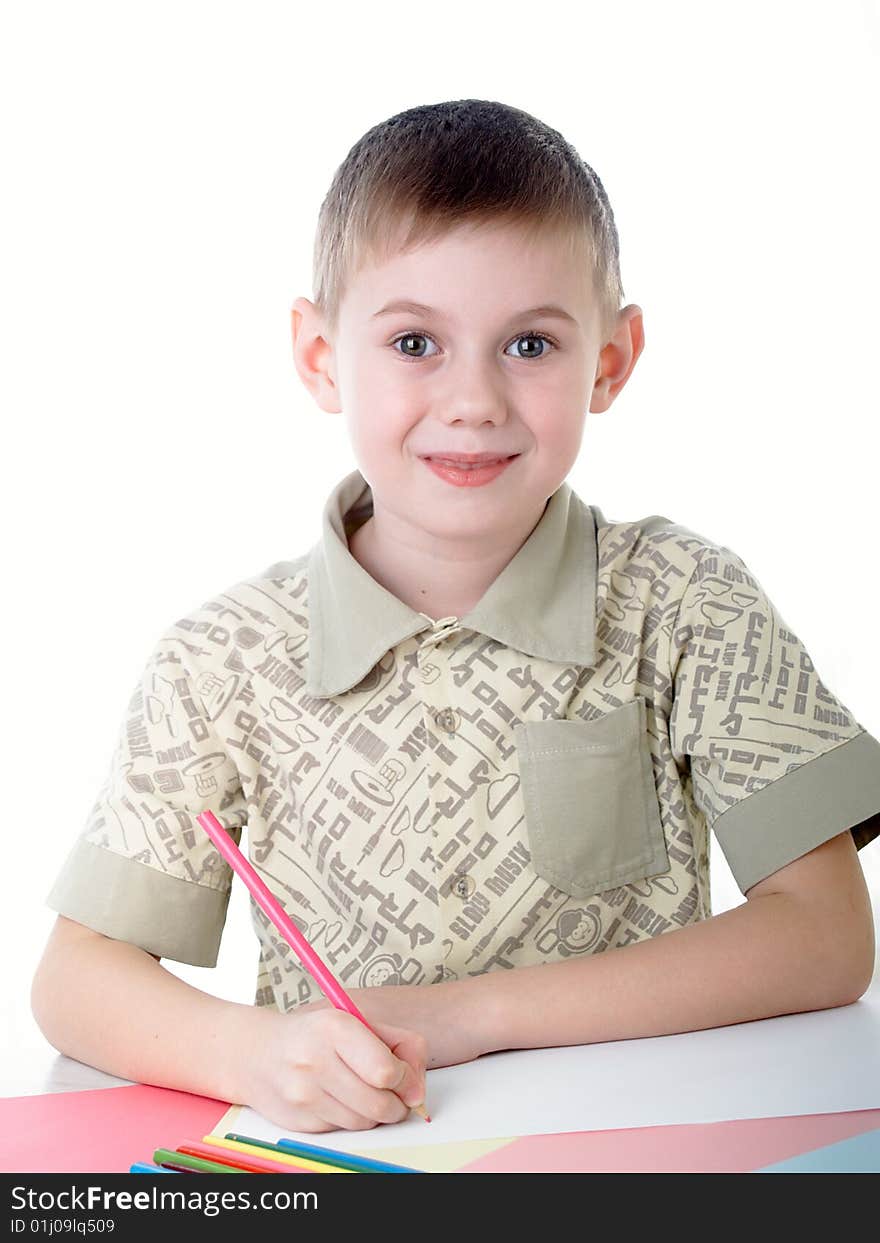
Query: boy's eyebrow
[548,311]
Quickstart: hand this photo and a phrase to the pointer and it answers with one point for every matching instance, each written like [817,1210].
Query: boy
[479,728]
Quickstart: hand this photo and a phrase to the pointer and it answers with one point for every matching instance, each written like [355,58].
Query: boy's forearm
[111,1005]
[775,954]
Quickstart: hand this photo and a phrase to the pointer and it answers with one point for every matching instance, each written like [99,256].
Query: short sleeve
[777,764]
[142,869]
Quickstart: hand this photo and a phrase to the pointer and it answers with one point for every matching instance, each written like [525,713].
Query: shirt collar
[543,603]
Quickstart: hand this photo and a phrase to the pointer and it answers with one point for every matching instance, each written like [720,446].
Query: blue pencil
[330,1156]
[144,1167]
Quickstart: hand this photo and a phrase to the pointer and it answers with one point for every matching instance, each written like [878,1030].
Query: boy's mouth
[466,461]
[468,470]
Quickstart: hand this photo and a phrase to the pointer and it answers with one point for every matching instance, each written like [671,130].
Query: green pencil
[351,1161]
[182,1160]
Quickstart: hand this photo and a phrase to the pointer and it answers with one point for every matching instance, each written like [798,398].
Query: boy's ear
[313,355]
[618,357]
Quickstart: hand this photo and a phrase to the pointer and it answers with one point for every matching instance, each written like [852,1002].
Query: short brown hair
[414,177]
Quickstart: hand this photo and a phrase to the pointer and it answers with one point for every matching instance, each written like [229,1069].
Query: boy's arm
[804,940]
[112,1005]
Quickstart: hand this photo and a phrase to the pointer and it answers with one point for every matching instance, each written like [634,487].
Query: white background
[164,164]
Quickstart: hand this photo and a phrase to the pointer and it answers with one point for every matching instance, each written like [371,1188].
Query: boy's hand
[437,1011]
[320,1069]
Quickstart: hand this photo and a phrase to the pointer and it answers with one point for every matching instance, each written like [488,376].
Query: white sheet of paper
[823,1061]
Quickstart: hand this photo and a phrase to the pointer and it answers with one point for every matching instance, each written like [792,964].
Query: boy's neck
[440,583]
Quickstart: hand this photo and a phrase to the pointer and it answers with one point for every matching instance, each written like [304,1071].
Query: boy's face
[468,376]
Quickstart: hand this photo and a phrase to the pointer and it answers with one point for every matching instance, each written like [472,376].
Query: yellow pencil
[319,1167]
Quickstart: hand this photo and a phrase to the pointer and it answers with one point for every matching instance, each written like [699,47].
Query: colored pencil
[248,1165]
[299,1164]
[144,1167]
[367,1165]
[324,978]
[245,1161]
[179,1161]
[346,1160]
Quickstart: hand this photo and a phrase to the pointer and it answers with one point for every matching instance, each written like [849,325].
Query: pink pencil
[325,979]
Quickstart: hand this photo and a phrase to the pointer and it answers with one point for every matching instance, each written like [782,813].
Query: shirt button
[447,719]
[463,886]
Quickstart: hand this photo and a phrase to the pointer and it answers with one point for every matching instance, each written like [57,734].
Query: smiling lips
[469,470]
[463,461]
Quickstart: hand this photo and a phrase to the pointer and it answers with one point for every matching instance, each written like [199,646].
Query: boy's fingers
[368,1054]
[413,1090]
[353,1093]
[410,1049]
[388,1058]
[364,1092]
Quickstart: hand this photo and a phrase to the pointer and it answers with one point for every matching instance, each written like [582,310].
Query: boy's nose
[473,390]
[474,409]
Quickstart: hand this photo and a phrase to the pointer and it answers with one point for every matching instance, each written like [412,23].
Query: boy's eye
[409,341]
[533,336]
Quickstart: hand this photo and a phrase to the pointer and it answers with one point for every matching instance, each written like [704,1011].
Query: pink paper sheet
[101,1131]
[106,1130]
[712,1147]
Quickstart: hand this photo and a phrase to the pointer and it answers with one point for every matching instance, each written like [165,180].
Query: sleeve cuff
[837,790]
[131,901]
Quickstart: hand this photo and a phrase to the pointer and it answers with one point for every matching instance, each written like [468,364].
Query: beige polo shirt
[431,799]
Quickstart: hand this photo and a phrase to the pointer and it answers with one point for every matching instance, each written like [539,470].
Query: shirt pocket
[591,806]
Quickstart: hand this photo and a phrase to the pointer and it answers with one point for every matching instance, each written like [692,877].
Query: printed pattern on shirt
[749,704]
[389,821]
